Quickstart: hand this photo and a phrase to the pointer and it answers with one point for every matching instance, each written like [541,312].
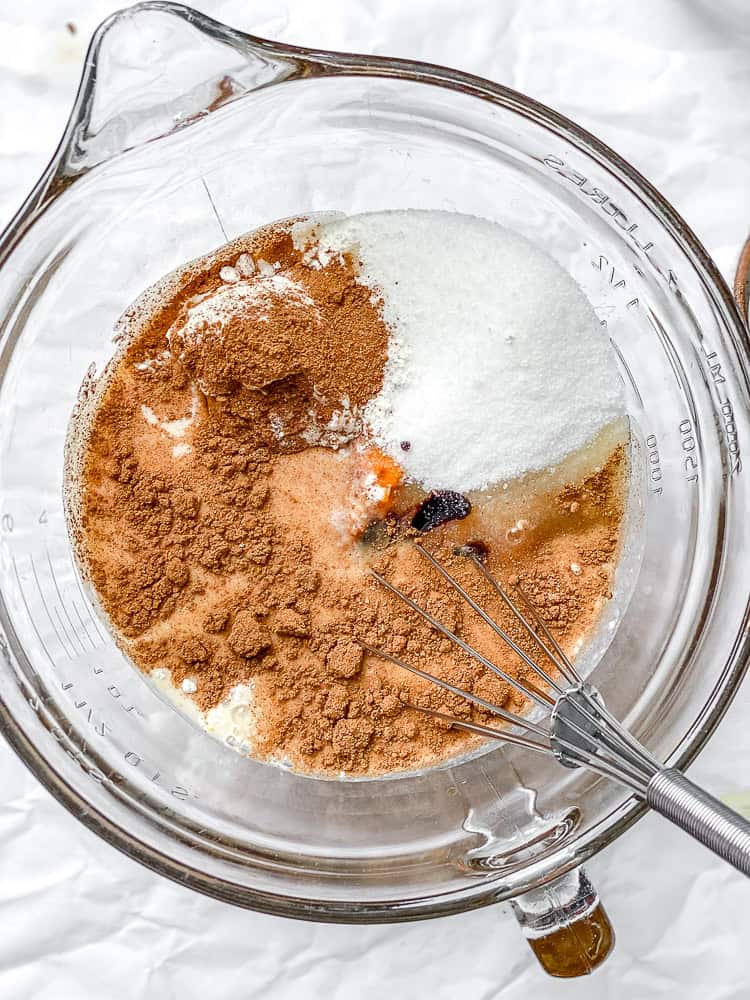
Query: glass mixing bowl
[186,133]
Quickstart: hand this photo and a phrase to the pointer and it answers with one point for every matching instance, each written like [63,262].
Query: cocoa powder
[217,460]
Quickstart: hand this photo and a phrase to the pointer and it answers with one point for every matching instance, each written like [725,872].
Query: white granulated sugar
[497,363]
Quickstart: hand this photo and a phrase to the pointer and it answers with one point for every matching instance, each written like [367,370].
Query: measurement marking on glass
[674,363]
[600,198]
[628,372]
[21,591]
[689,434]
[213,206]
[731,432]
[654,460]
[86,604]
[614,278]
[64,628]
[46,607]
[63,606]
[94,645]
[676,366]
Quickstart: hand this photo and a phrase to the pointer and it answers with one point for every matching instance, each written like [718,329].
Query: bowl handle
[566,925]
[156,67]
[742,281]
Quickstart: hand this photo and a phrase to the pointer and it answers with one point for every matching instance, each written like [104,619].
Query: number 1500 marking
[689,446]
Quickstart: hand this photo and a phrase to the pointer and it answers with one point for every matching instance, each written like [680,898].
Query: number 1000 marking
[654,461]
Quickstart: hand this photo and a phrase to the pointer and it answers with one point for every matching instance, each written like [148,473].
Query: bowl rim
[323,63]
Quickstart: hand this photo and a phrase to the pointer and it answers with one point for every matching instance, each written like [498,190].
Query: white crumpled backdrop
[667,84]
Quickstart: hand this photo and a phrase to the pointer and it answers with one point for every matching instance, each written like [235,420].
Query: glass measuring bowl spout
[139,85]
[187,133]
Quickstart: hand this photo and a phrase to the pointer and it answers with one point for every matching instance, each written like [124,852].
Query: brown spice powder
[215,555]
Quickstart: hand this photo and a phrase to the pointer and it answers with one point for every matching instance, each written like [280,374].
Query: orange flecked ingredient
[388,473]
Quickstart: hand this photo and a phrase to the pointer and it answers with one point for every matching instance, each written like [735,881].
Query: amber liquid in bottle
[577,948]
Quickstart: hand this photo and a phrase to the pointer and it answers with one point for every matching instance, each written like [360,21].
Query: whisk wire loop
[482,730]
[581,730]
[501,713]
[528,690]
[486,618]
[560,661]
[588,704]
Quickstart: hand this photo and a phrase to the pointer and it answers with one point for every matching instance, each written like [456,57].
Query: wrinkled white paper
[667,84]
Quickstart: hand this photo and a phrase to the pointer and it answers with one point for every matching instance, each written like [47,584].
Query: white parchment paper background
[667,84]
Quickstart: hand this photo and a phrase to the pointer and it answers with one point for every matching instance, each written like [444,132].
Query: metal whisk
[579,730]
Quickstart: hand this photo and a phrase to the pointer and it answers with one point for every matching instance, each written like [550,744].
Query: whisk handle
[704,817]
